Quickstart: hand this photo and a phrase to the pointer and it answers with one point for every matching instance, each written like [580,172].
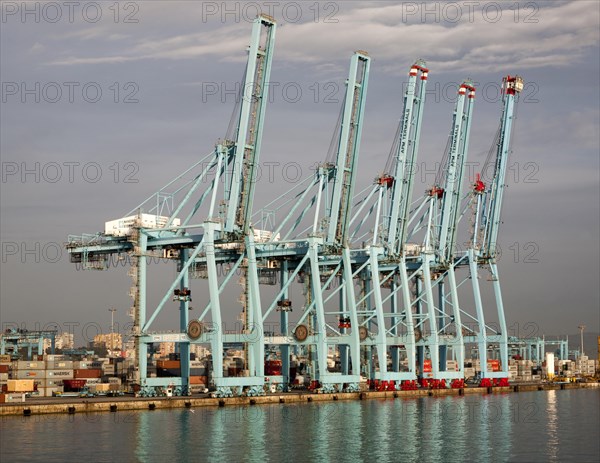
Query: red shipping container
[89,373]
[4,368]
[493,365]
[427,366]
[168,364]
[73,384]
[272,367]
[198,380]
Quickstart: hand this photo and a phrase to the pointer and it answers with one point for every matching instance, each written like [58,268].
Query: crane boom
[459,142]
[246,148]
[348,147]
[512,86]
[405,157]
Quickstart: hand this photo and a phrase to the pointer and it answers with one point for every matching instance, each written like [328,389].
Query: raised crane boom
[405,156]
[457,156]
[249,133]
[348,146]
[512,86]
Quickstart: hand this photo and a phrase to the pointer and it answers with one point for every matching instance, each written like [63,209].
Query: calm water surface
[554,426]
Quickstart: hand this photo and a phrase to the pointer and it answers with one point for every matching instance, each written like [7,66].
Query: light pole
[581,328]
[112,311]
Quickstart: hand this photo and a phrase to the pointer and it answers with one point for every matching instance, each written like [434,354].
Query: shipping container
[63,374]
[195,380]
[427,366]
[469,372]
[3,377]
[5,358]
[101,387]
[73,384]
[168,372]
[168,364]
[28,365]
[59,365]
[87,373]
[8,398]
[52,383]
[121,227]
[19,385]
[28,374]
[493,365]
[4,368]
[272,367]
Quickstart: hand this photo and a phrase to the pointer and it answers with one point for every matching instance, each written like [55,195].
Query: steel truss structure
[363,288]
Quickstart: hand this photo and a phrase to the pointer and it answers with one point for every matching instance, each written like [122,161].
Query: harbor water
[550,426]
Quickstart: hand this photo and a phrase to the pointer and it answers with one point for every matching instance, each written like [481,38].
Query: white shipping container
[469,372]
[27,365]
[61,374]
[59,365]
[29,374]
[3,376]
[121,227]
[14,397]
[93,381]
[52,383]
[113,380]
[54,357]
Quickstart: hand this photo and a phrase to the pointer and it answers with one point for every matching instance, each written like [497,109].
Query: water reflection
[557,426]
[552,426]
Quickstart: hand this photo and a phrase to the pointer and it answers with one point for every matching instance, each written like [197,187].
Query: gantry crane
[483,249]
[371,302]
[148,231]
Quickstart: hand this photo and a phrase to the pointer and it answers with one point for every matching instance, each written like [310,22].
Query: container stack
[585,366]
[4,369]
[513,370]
[451,365]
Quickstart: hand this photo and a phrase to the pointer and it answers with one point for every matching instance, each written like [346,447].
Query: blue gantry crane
[353,288]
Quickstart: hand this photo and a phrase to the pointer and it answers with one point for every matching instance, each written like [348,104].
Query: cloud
[37,48]
[559,38]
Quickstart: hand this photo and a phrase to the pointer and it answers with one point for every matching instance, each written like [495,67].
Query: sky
[103,103]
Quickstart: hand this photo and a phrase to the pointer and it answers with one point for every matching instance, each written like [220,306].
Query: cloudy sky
[103,104]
